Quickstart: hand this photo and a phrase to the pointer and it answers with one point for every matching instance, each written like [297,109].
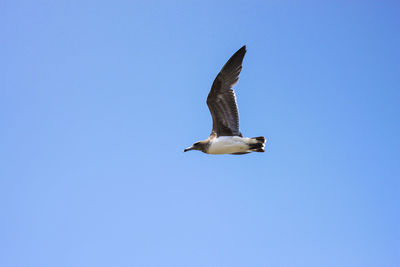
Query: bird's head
[196,146]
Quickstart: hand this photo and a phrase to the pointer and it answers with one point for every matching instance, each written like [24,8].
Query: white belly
[229,145]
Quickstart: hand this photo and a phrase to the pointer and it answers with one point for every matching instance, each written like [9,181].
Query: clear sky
[99,99]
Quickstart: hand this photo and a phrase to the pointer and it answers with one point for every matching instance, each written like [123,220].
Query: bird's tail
[258,144]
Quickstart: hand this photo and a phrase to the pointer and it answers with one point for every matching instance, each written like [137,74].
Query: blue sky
[98,100]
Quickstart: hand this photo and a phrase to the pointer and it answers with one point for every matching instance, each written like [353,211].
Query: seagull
[225,137]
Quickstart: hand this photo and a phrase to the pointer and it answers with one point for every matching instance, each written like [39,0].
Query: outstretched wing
[222,100]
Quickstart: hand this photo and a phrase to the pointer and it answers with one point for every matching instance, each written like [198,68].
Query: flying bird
[225,137]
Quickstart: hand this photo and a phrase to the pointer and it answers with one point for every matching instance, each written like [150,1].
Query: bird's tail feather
[258,145]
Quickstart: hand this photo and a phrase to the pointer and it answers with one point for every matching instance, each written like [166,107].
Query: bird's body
[231,145]
[225,137]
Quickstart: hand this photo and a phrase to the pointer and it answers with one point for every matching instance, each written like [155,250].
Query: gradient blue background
[98,100]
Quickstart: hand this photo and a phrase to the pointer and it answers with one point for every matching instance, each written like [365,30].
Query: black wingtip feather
[241,51]
[234,64]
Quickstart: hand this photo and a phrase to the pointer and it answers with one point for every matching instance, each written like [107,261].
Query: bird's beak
[188,149]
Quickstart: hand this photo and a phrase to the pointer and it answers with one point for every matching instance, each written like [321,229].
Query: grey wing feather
[222,100]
